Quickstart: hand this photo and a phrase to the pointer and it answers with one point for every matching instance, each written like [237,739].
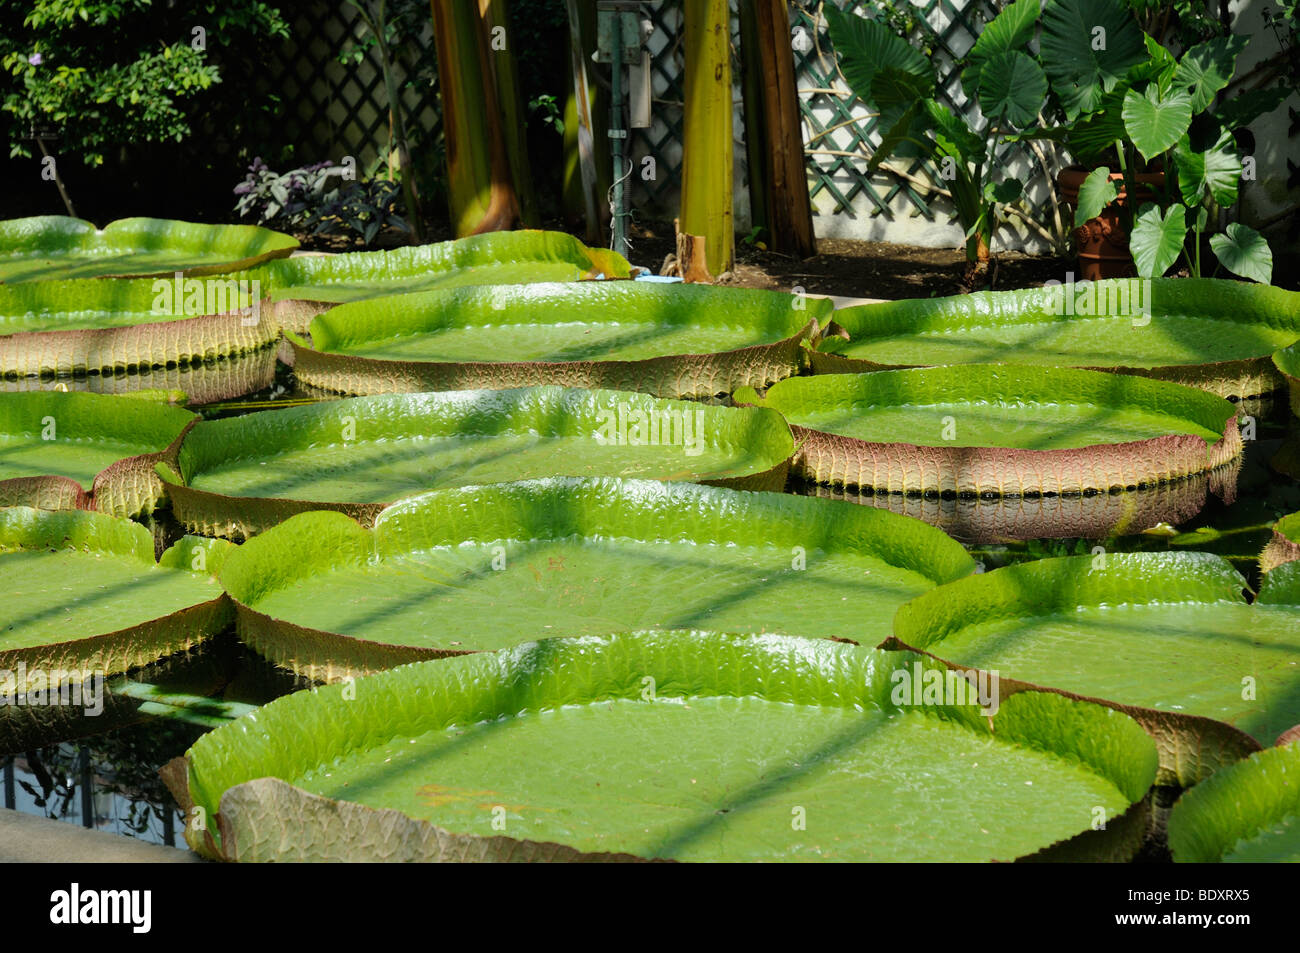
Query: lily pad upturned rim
[235,774]
[45,235]
[325,365]
[216,513]
[127,487]
[1242,379]
[448,516]
[1283,545]
[1287,362]
[118,650]
[1192,746]
[1237,803]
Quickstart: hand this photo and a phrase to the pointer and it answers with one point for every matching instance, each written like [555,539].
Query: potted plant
[1157,153]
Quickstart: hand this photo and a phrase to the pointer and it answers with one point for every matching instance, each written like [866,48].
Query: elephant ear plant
[899,82]
[1125,97]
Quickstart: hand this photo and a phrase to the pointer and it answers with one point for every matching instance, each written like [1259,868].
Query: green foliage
[107,72]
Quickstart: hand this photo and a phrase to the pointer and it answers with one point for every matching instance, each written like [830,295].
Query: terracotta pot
[1102,241]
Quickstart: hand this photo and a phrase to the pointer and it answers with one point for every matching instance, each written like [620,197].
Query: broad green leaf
[1215,171]
[683,340]
[1244,251]
[866,46]
[1008,190]
[485,567]
[244,474]
[738,728]
[1168,636]
[108,444]
[54,247]
[83,593]
[1098,191]
[1155,123]
[962,141]
[1012,87]
[1010,30]
[1215,333]
[1208,67]
[495,258]
[1157,239]
[1005,444]
[1087,47]
[906,135]
[1095,135]
[1248,812]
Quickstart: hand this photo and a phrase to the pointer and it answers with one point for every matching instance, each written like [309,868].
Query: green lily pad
[671,745]
[75,329]
[108,445]
[485,567]
[1284,546]
[83,593]
[304,286]
[679,341]
[241,475]
[1287,362]
[1210,333]
[1248,813]
[1072,453]
[53,246]
[1167,637]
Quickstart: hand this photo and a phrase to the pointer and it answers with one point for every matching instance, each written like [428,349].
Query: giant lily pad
[1206,332]
[1284,546]
[75,329]
[672,745]
[1061,452]
[241,475]
[304,286]
[1247,813]
[670,341]
[53,246]
[55,446]
[82,592]
[1166,637]
[485,567]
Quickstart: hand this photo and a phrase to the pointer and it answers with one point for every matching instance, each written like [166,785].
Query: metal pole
[87,789]
[11,800]
[617,134]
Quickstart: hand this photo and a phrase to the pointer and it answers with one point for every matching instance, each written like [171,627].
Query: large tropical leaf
[1166,636]
[1215,171]
[1247,813]
[244,474]
[473,568]
[679,341]
[49,439]
[1217,334]
[1157,238]
[1287,363]
[683,745]
[1005,451]
[1244,251]
[1087,47]
[1156,122]
[83,594]
[1097,191]
[1012,87]
[86,327]
[867,46]
[1208,67]
[52,246]
[1010,30]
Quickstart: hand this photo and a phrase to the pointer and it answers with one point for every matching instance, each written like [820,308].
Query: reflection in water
[994,518]
[202,383]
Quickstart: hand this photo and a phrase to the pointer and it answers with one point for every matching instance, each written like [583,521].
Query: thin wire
[609,197]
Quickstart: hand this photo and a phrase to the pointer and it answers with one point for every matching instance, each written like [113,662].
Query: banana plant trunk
[778,182]
[705,232]
[496,20]
[480,185]
[586,179]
